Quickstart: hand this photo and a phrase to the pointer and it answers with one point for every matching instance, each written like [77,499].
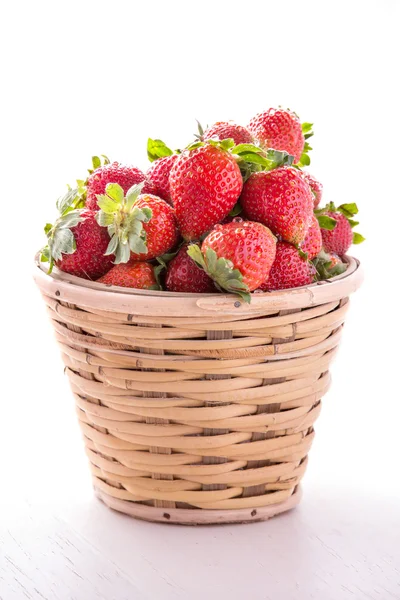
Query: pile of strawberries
[234,211]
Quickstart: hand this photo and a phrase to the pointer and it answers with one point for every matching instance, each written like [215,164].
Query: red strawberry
[279,129]
[138,275]
[141,226]
[161,230]
[183,275]
[76,244]
[313,241]
[289,270]
[316,187]
[280,199]
[126,176]
[158,175]
[339,239]
[237,256]
[205,184]
[227,129]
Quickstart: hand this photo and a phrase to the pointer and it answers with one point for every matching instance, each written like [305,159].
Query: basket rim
[76,290]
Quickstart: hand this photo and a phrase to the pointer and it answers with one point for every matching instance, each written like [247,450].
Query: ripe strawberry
[126,176]
[205,184]
[339,239]
[336,227]
[313,241]
[77,245]
[141,227]
[138,275]
[289,270]
[281,200]
[279,129]
[237,256]
[227,129]
[158,175]
[316,187]
[183,275]
[161,230]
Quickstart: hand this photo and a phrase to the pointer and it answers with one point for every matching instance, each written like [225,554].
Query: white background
[101,77]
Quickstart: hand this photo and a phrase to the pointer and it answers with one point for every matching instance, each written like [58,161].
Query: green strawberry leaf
[115,192]
[244,148]
[236,210]
[122,253]
[358,238]
[221,270]
[45,254]
[348,210]
[96,162]
[279,158]
[165,259]
[307,128]
[157,149]
[322,264]
[107,204]
[68,201]
[104,219]
[112,245]
[353,223]
[133,193]
[195,145]
[62,243]
[326,222]
[137,244]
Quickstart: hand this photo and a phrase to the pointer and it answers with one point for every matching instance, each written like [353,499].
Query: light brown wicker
[197,408]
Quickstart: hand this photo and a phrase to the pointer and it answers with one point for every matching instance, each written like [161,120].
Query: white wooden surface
[57,542]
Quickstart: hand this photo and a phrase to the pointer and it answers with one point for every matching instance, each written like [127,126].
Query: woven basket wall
[197,409]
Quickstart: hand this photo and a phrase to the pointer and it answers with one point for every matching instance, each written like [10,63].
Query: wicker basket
[197,408]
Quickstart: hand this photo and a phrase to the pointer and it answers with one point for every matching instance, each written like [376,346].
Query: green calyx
[221,270]
[324,270]
[157,149]
[124,221]
[347,210]
[307,132]
[60,239]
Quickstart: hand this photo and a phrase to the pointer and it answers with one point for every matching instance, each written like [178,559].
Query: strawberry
[237,256]
[279,129]
[158,175]
[161,230]
[227,129]
[336,227]
[77,245]
[138,275]
[280,199]
[205,184]
[183,275]
[316,187]
[289,270]
[141,227]
[126,176]
[313,241]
